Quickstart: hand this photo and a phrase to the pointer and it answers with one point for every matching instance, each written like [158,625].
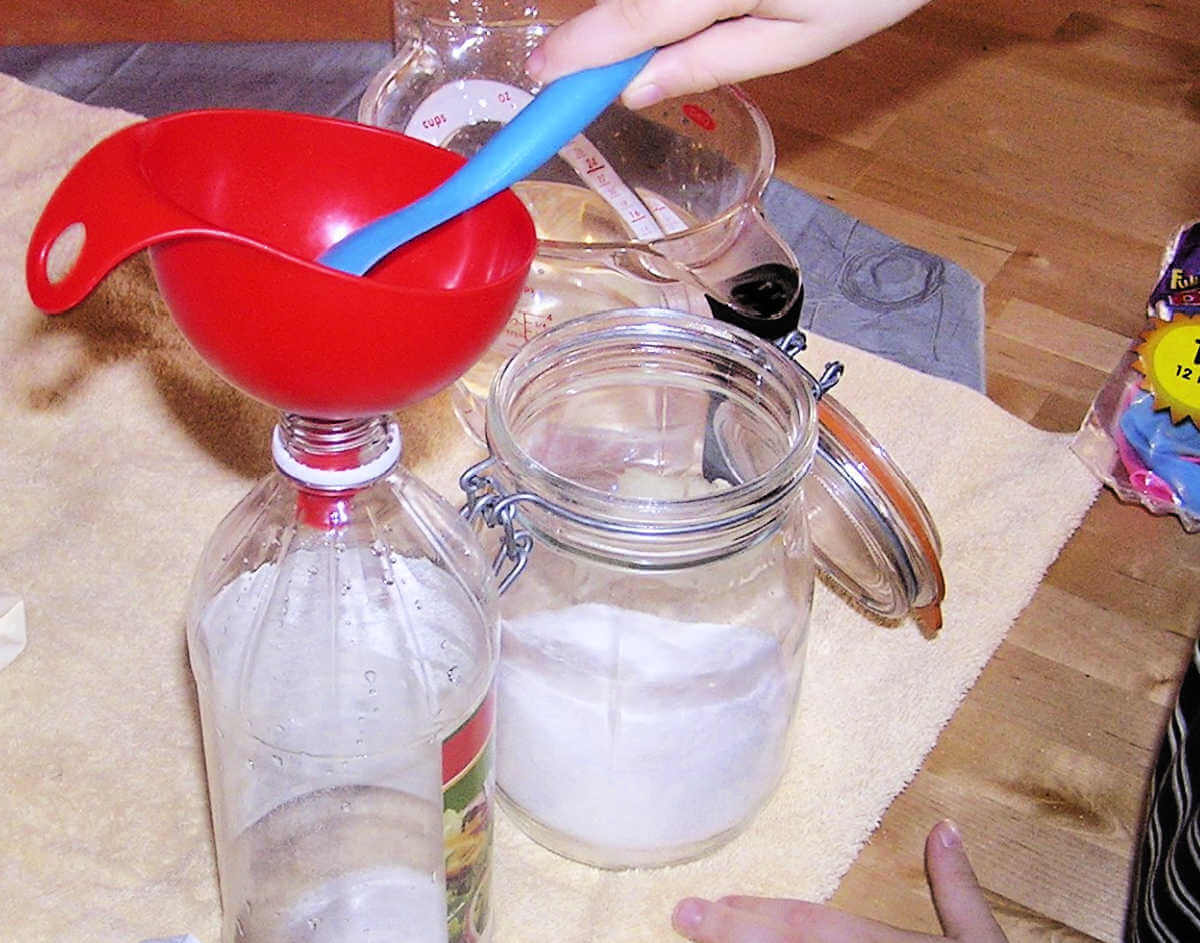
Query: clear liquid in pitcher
[562,288]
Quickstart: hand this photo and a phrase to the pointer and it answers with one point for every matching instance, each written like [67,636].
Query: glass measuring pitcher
[659,207]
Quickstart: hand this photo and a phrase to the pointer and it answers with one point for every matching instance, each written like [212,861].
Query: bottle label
[468,788]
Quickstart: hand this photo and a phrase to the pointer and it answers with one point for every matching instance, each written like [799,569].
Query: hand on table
[961,907]
[707,43]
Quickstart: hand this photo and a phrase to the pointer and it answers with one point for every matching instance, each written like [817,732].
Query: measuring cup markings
[458,104]
[528,140]
[700,116]
[645,214]
[447,109]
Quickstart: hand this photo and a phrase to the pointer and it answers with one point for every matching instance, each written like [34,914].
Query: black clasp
[796,342]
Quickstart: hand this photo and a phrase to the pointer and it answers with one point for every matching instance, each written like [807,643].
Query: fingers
[706,43]
[722,54]
[704,921]
[616,29]
[965,915]
[960,903]
[817,923]
[729,52]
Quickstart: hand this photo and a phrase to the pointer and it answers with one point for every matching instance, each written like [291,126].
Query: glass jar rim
[663,332]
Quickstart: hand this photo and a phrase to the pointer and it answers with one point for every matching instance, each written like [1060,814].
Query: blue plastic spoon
[536,133]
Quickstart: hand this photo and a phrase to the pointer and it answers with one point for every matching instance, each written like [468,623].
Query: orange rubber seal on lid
[899,494]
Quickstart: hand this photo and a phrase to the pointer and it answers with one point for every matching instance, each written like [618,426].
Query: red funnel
[235,205]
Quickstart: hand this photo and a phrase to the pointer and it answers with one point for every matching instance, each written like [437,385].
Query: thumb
[959,900]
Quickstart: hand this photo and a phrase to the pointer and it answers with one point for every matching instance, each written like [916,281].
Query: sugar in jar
[653,645]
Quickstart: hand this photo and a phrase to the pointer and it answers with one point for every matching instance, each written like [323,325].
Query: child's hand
[960,904]
[707,43]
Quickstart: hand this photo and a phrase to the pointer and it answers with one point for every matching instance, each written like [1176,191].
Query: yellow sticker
[1169,361]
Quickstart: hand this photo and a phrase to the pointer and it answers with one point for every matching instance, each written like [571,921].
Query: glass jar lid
[872,533]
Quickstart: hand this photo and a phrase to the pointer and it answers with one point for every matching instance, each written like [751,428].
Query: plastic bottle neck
[335,455]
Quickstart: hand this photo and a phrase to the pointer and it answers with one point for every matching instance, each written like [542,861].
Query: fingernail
[535,63]
[688,914]
[641,96]
[949,835]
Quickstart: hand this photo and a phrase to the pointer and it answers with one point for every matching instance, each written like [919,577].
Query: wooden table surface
[1049,147]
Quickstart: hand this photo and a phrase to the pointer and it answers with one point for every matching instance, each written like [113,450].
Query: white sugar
[631,732]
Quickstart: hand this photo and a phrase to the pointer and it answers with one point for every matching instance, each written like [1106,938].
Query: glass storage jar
[652,648]
[651,476]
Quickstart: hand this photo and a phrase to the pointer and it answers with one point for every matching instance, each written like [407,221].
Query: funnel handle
[106,210]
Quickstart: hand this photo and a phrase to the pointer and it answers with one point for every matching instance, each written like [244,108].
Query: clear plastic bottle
[342,631]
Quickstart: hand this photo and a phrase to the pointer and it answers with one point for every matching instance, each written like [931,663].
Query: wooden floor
[1050,147]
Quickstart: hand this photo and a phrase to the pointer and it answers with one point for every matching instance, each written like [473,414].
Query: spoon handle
[536,133]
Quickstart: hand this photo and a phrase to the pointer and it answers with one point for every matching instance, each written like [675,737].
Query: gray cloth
[864,288]
[861,286]
[156,78]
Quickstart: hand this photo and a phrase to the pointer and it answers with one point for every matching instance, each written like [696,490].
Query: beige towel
[119,454]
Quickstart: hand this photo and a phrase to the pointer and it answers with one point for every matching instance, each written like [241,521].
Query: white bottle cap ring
[337,479]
